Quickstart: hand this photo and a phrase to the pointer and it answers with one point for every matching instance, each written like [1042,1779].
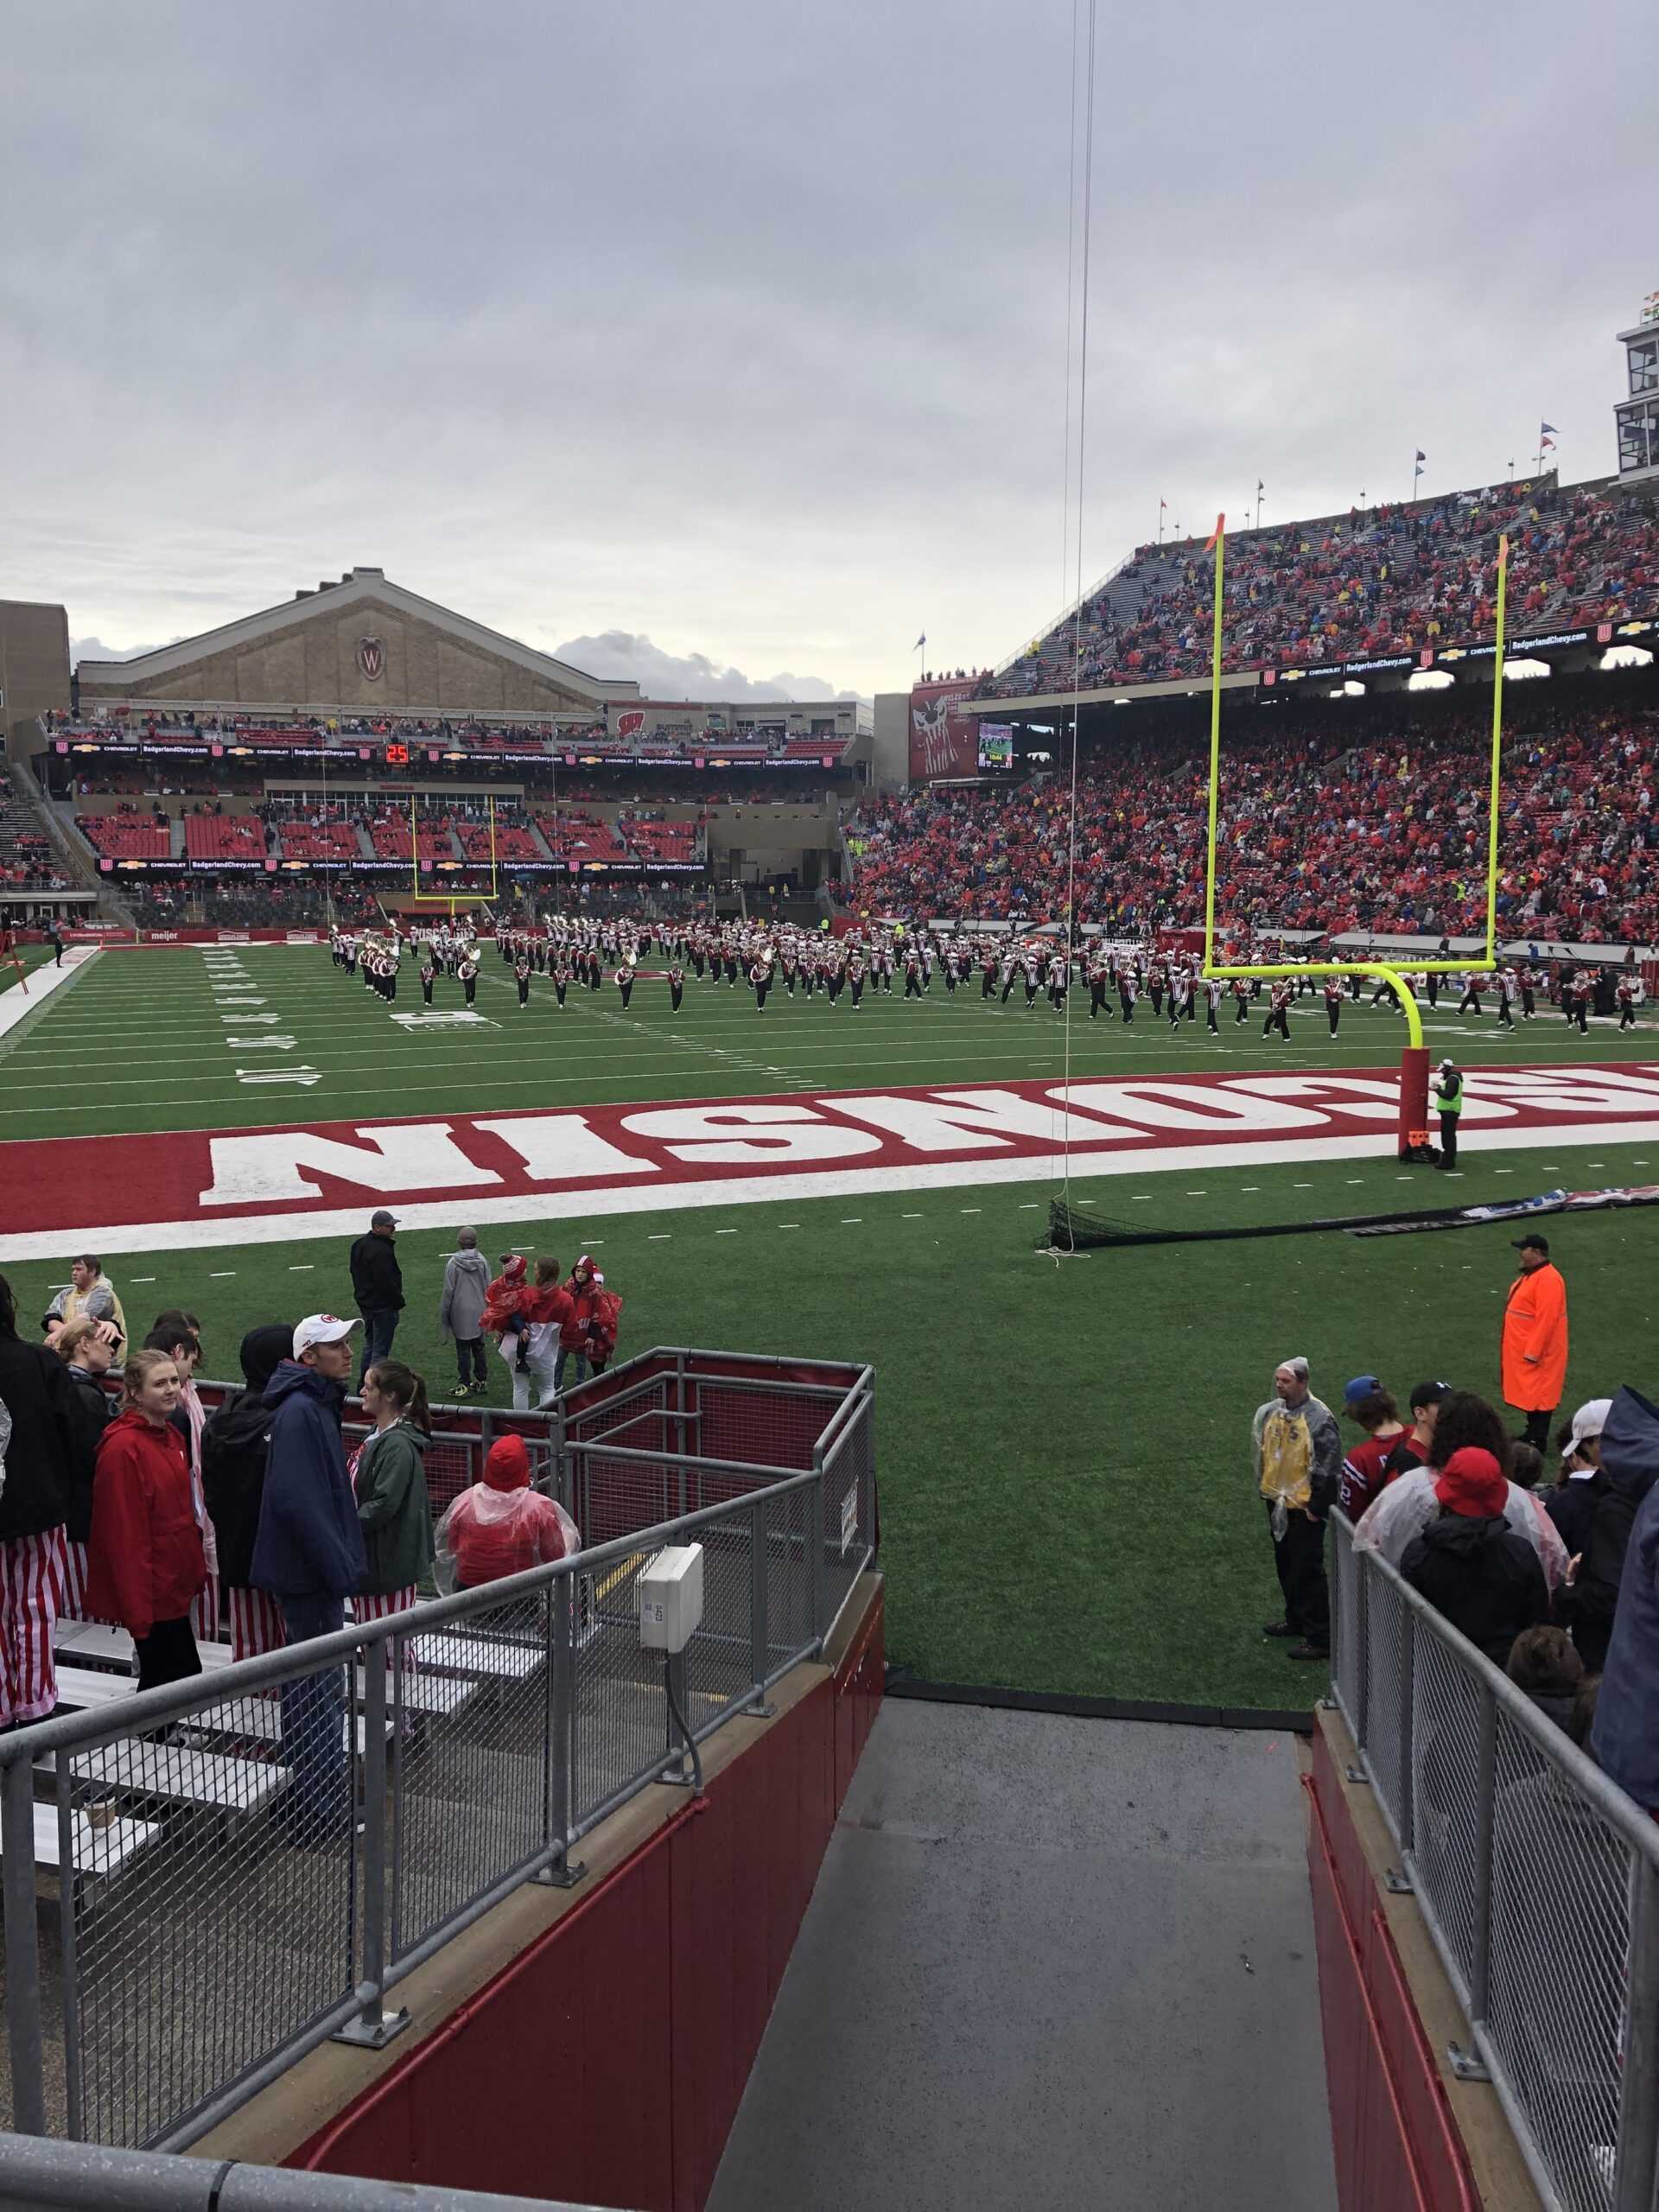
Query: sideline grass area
[1063,1446]
[136,1042]
[33,957]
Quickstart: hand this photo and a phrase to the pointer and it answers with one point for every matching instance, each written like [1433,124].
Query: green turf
[1063,1446]
[136,1042]
[32,956]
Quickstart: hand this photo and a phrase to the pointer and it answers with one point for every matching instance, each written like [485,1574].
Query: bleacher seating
[574,835]
[126,837]
[330,843]
[1382,580]
[224,838]
[672,842]
[26,862]
[1335,821]
[513,841]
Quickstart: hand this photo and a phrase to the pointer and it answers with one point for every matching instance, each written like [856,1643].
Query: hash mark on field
[910,1217]
[1301,1186]
[661,1236]
[973,1209]
[221,1275]
[1198,1194]
[725,1232]
[1142,1198]
[141,1278]
[1250,1186]
[1029,1205]
[789,1224]
[850,1220]
[305,1269]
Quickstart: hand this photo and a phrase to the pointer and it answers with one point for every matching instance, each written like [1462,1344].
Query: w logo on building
[371,658]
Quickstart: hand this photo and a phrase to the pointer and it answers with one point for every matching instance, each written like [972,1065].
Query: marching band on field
[767,956]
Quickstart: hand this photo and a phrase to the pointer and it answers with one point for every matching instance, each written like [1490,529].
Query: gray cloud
[745,331]
[684,675]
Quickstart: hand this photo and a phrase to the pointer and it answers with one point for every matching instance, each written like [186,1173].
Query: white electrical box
[670,1598]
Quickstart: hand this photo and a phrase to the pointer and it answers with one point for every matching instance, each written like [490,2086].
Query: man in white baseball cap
[321,1329]
[309,1553]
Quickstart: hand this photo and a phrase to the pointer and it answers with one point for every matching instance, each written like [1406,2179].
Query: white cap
[1589,1421]
[319,1329]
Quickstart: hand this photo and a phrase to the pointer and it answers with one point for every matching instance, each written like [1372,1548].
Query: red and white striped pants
[73,1606]
[256,1624]
[31,1590]
[382,1608]
[204,1611]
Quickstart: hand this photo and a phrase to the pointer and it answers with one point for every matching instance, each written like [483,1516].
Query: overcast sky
[735,336]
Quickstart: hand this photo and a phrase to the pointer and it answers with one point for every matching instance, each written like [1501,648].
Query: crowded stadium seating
[1349,818]
[1382,579]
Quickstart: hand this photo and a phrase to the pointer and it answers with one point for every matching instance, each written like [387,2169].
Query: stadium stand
[1343,819]
[127,836]
[1385,580]
[26,862]
[224,838]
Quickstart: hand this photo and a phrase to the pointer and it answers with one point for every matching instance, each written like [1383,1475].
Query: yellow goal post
[1414,1072]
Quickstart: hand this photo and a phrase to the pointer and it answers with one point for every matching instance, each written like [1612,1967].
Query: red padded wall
[1396,2143]
[639,2015]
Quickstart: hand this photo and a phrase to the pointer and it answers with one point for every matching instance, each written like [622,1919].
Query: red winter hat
[1471,1482]
[507,1466]
[513,1267]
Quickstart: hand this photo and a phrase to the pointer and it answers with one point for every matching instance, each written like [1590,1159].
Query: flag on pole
[1421,456]
[1259,485]
[919,643]
[1163,502]
[1546,426]
[1210,542]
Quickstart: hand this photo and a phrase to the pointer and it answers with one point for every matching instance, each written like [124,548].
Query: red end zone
[199,1188]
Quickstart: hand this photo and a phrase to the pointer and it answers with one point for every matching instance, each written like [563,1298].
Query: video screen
[997,745]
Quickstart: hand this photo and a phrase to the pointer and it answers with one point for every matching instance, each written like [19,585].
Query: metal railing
[90,2177]
[1538,1879]
[252,1861]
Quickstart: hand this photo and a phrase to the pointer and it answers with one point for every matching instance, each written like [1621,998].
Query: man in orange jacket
[1535,1341]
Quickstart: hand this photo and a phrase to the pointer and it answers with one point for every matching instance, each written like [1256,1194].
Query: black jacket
[1629,1462]
[1571,1506]
[233,1446]
[1482,1577]
[377,1279]
[94,1411]
[46,1439]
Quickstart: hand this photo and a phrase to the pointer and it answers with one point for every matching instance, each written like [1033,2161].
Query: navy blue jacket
[1630,1466]
[309,1543]
[1625,1738]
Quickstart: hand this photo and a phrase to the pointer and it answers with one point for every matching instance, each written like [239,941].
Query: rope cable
[1070,923]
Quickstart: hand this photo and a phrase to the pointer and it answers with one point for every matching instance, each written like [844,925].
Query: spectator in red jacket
[147,1562]
[501,1526]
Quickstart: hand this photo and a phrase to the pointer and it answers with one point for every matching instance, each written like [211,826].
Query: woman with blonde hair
[147,1564]
[85,1352]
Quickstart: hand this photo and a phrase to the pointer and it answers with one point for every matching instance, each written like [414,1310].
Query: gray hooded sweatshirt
[466,1279]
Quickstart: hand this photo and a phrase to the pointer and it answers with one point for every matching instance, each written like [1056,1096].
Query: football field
[1063,1444]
